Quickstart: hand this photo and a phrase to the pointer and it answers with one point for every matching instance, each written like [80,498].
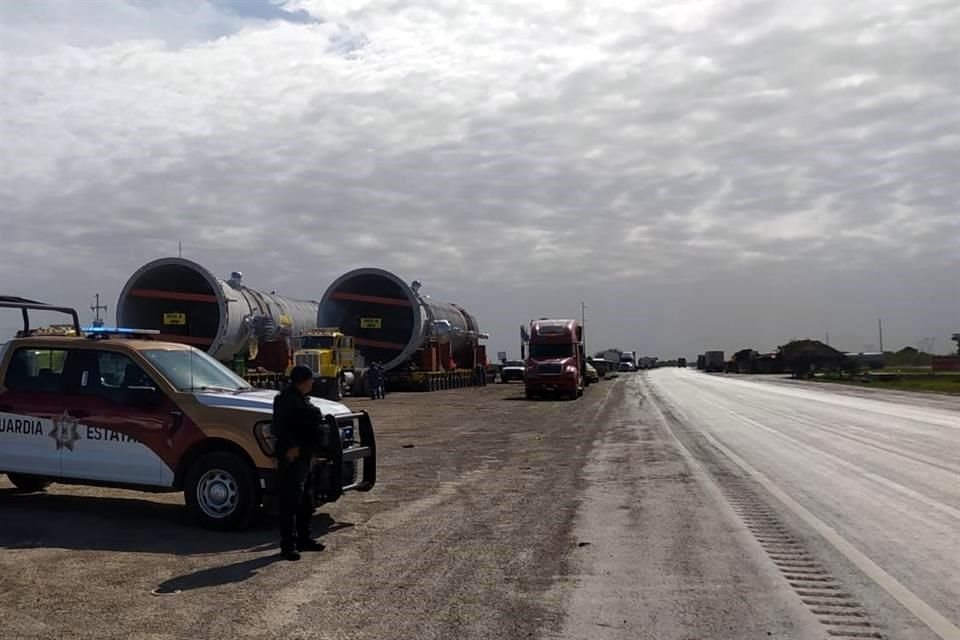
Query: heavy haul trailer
[422,345]
[246,329]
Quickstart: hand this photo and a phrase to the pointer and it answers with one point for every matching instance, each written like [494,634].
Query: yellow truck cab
[114,407]
[337,365]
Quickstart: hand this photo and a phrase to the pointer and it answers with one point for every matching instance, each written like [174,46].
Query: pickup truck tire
[28,484]
[221,491]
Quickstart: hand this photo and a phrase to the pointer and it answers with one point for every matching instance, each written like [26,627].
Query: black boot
[289,551]
[306,543]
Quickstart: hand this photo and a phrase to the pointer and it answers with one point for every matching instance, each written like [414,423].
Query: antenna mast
[97,308]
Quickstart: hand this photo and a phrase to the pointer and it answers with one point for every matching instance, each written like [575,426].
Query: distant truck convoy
[647,362]
[612,355]
[713,361]
[556,363]
[629,356]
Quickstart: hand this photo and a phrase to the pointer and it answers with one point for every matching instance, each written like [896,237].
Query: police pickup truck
[113,407]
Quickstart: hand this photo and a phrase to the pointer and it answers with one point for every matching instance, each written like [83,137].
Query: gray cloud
[726,172]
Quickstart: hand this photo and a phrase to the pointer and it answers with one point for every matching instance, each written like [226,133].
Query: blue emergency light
[118,331]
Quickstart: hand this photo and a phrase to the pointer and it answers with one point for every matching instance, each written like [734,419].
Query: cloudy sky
[701,174]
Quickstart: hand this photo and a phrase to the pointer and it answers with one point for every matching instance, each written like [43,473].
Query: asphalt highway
[869,484]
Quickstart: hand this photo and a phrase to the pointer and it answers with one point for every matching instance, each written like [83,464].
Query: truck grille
[549,369]
[311,360]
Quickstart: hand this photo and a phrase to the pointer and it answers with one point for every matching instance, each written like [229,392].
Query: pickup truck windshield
[551,350]
[192,369]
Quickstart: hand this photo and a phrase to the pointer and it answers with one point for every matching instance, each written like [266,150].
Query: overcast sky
[701,174]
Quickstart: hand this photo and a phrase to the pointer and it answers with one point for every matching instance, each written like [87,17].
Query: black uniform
[296,423]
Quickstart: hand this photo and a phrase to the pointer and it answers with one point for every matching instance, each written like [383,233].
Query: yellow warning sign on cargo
[371,323]
[175,318]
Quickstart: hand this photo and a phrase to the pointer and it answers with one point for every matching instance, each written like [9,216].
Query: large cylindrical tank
[390,320]
[188,304]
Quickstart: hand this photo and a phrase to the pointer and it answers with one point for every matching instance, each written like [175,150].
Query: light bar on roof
[121,330]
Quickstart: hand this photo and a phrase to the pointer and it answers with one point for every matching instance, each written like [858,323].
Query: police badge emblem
[65,431]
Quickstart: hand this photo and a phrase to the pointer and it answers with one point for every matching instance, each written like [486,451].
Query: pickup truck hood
[261,402]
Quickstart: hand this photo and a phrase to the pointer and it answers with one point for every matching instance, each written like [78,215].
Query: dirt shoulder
[464,537]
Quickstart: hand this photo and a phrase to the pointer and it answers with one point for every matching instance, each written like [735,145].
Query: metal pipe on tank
[188,304]
[390,319]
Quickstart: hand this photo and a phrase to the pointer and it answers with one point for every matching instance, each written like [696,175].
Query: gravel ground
[495,517]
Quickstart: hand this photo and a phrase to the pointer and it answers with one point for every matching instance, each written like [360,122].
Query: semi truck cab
[335,361]
[556,362]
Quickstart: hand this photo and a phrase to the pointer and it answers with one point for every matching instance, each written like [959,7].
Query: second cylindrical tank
[390,320]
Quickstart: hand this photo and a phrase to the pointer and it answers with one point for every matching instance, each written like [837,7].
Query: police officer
[373,379]
[297,429]
[382,379]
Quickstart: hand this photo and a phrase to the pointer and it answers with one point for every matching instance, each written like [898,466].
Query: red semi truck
[556,361]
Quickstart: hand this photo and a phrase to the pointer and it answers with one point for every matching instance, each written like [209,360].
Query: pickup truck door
[123,420]
[31,412]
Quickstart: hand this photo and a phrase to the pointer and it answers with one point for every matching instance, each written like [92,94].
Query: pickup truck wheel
[28,484]
[221,491]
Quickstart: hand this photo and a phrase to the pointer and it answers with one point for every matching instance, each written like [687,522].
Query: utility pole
[880,330]
[828,338]
[97,308]
[180,248]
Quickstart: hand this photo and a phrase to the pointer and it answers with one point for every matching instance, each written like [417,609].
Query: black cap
[300,373]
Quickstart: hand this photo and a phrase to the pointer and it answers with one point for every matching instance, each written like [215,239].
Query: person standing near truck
[297,429]
[373,378]
[382,378]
